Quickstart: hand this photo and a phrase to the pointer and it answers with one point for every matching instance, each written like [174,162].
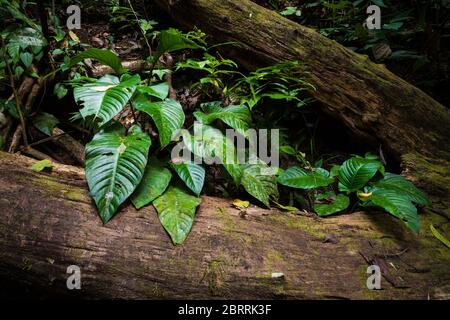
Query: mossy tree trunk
[372,102]
[48,222]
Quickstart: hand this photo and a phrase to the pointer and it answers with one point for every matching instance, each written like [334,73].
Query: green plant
[357,177]
[117,158]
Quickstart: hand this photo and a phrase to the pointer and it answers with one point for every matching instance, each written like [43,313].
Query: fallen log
[48,223]
[372,102]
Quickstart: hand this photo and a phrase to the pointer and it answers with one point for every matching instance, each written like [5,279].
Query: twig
[16,96]
[44,140]
[140,29]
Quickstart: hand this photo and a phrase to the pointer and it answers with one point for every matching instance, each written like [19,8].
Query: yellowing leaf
[365,196]
[240,204]
[73,36]
[41,165]
[439,236]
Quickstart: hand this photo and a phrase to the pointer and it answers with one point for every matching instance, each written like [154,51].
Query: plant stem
[143,34]
[15,93]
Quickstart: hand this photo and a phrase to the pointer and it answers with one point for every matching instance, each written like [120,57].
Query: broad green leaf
[160,90]
[27,59]
[192,174]
[356,172]
[174,40]
[115,164]
[28,37]
[45,122]
[168,116]
[260,183]
[296,177]
[237,117]
[106,57]
[396,204]
[60,90]
[155,181]
[211,145]
[402,186]
[106,97]
[176,211]
[330,204]
[15,10]
[41,165]
[334,171]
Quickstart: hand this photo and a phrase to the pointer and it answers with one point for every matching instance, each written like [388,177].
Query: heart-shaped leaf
[160,90]
[237,117]
[260,182]
[106,97]
[192,174]
[173,40]
[176,211]
[27,59]
[168,116]
[115,164]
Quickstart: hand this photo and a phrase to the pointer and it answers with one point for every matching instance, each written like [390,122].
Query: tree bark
[374,103]
[48,222]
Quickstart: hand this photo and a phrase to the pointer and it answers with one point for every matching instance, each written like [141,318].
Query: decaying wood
[48,222]
[134,66]
[28,91]
[374,103]
[37,154]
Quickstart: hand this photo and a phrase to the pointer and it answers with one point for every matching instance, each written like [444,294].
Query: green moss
[52,187]
[215,274]
[297,222]
[428,171]
[227,221]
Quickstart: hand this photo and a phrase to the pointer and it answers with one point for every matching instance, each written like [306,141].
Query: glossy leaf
[176,211]
[168,116]
[260,183]
[211,145]
[330,204]
[115,164]
[356,172]
[173,40]
[237,117]
[45,122]
[296,177]
[192,174]
[160,90]
[27,37]
[396,204]
[106,57]
[106,97]
[155,181]
[402,186]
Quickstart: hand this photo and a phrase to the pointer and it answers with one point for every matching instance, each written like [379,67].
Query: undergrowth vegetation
[133,125]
